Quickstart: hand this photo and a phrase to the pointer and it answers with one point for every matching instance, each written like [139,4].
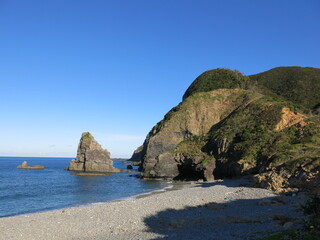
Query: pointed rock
[91,157]
[24,164]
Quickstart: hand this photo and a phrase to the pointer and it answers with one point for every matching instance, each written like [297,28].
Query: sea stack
[91,157]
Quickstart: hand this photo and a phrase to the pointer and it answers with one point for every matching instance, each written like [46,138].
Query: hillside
[300,85]
[193,117]
[220,130]
[217,79]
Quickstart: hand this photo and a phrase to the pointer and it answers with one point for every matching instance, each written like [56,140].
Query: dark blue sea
[28,191]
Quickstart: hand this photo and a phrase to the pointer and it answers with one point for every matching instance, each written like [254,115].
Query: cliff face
[91,157]
[137,154]
[227,132]
[193,117]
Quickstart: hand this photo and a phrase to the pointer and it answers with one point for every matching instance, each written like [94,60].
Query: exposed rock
[195,166]
[289,118]
[137,154]
[134,163]
[273,180]
[129,167]
[24,165]
[91,157]
[222,131]
[306,178]
[195,116]
[282,181]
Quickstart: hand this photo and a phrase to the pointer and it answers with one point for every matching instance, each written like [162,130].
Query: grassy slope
[217,79]
[255,141]
[296,84]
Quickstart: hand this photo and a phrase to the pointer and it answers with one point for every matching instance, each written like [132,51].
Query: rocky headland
[91,157]
[25,165]
[230,125]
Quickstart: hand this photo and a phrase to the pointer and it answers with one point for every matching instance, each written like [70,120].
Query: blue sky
[115,67]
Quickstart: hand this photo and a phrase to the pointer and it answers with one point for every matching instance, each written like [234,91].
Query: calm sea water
[27,191]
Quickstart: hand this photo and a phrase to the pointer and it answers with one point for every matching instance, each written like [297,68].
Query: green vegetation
[253,139]
[86,135]
[245,131]
[217,79]
[194,147]
[195,102]
[296,84]
[250,131]
[248,120]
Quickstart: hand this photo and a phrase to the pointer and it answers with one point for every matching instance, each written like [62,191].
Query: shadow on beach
[231,217]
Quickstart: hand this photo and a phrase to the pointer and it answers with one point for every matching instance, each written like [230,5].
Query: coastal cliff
[193,117]
[91,157]
[230,125]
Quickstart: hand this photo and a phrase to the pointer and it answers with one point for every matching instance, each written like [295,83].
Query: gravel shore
[219,210]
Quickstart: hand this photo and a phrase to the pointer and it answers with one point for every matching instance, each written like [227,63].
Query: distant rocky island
[25,165]
[265,125]
[91,157]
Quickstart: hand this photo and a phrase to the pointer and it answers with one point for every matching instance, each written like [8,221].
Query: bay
[28,191]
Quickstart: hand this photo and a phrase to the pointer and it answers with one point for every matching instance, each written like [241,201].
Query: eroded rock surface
[195,116]
[91,157]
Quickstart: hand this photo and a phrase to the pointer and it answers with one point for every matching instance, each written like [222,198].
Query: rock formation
[137,154]
[229,125]
[25,165]
[91,157]
[195,116]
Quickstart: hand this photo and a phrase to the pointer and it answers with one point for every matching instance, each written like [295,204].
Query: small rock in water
[24,164]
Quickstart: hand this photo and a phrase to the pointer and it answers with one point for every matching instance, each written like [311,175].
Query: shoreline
[217,210]
[140,195]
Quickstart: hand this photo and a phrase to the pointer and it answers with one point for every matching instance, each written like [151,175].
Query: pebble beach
[221,210]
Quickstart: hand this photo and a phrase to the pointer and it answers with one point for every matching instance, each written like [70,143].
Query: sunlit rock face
[91,157]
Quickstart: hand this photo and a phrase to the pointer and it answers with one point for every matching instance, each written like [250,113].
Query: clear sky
[115,67]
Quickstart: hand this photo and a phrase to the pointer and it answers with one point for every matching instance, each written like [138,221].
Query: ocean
[28,191]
